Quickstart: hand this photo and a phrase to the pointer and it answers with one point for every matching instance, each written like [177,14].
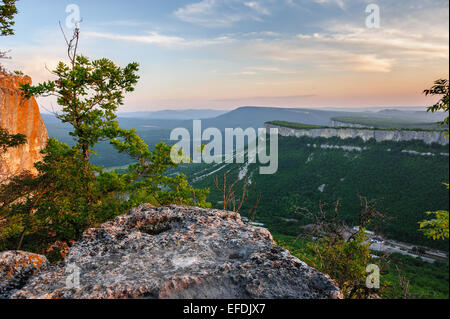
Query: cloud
[245,73]
[270,69]
[123,23]
[260,71]
[155,38]
[327,59]
[387,39]
[301,3]
[257,7]
[339,3]
[149,38]
[290,100]
[204,13]
[221,13]
[372,63]
[38,64]
[338,46]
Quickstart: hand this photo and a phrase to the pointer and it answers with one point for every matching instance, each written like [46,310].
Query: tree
[341,252]
[89,93]
[69,194]
[229,200]
[438,228]
[440,87]
[8,10]
[10,140]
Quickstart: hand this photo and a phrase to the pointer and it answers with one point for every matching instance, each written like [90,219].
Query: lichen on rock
[16,268]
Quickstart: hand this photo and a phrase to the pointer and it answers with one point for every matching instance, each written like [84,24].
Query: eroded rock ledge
[179,252]
[428,137]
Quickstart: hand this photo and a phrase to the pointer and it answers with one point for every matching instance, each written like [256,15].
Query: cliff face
[428,137]
[341,124]
[176,253]
[20,116]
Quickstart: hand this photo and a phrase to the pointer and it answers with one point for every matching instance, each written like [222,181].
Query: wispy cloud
[270,69]
[205,13]
[325,59]
[258,52]
[155,38]
[301,3]
[124,23]
[245,73]
[339,3]
[221,13]
[391,39]
[149,38]
[372,63]
[341,47]
[257,7]
[266,100]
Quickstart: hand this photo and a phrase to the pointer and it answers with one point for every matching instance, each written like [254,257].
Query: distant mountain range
[174,114]
[250,116]
[253,116]
[244,117]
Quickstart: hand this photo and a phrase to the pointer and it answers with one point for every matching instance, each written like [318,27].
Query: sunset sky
[228,53]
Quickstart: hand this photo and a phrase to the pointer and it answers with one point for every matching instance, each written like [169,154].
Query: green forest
[405,185]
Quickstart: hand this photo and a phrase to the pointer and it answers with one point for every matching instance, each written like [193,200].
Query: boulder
[16,268]
[178,253]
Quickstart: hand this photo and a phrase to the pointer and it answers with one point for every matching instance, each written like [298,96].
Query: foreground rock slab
[178,252]
[16,268]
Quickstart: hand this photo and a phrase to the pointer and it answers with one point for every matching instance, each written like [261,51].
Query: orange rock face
[20,116]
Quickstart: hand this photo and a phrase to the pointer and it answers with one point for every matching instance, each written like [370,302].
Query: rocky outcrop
[16,268]
[178,252]
[428,137]
[20,116]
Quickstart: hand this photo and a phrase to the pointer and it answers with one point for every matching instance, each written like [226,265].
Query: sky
[222,54]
